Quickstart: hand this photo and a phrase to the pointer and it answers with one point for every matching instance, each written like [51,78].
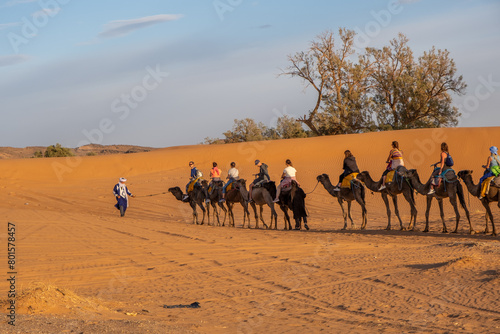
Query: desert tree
[287,127]
[245,130]
[409,93]
[341,82]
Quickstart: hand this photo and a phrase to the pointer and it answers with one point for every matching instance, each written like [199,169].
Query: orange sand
[117,273]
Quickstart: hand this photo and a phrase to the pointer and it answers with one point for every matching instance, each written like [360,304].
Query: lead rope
[313,189]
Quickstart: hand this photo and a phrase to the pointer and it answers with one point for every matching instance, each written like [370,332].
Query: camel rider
[350,166]
[492,169]
[286,179]
[446,161]
[394,160]
[232,175]
[195,175]
[121,193]
[262,177]
[215,173]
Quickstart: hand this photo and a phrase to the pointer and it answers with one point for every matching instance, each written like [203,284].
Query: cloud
[265,26]
[403,2]
[8,25]
[124,27]
[12,60]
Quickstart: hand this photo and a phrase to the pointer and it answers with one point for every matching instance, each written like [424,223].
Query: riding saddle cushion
[346,182]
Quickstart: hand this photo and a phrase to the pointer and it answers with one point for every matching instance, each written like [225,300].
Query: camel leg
[441,212]
[453,201]
[396,211]
[286,216]
[204,212]
[195,214]
[221,205]
[262,219]
[427,210]
[363,211]
[216,213]
[413,209]
[343,214]
[486,205]
[349,214]
[230,215]
[254,207]
[388,209]
[246,213]
[274,216]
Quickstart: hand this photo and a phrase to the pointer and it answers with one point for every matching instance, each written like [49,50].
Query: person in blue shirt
[121,193]
[195,175]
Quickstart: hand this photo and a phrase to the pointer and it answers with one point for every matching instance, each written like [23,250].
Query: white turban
[122,179]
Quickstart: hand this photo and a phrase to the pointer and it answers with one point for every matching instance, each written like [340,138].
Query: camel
[345,194]
[261,196]
[196,197]
[214,197]
[238,194]
[393,189]
[450,187]
[294,199]
[475,190]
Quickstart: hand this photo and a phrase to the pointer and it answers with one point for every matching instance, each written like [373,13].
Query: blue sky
[164,73]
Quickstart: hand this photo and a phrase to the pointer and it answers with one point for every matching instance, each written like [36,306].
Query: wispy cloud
[9,25]
[12,60]
[124,27]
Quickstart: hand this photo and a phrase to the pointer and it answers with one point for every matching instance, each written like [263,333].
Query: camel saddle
[390,176]
[192,184]
[229,187]
[491,181]
[346,182]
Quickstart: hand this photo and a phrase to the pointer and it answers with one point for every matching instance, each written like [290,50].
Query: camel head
[322,178]
[177,192]
[410,173]
[464,173]
[363,176]
[204,183]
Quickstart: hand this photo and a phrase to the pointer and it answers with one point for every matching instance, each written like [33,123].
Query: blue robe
[123,200]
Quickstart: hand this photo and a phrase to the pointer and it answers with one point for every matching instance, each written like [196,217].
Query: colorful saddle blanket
[390,176]
[346,182]
[485,186]
[192,184]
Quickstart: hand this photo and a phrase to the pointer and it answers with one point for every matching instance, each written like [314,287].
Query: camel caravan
[351,187]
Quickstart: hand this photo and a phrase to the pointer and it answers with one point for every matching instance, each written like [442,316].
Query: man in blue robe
[121,193]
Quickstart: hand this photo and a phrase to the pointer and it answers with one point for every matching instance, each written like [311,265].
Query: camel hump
[496,181]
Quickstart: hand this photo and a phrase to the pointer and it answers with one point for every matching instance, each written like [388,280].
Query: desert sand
[82,268]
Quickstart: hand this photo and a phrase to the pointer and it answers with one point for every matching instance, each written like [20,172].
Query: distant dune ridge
[102,273]
[28,152]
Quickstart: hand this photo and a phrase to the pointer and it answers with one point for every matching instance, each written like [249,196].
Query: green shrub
[57,151]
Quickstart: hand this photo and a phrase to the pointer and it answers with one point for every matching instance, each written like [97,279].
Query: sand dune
[116,274]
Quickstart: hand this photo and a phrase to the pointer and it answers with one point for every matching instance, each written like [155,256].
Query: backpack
[449,161]
[495,170]
[199,174]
